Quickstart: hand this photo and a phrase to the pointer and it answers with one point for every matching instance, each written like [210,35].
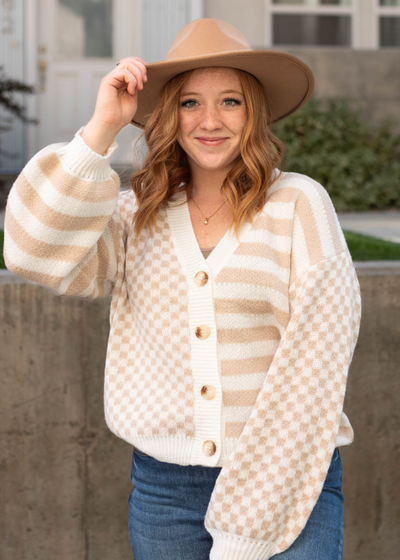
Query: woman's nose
[211,118]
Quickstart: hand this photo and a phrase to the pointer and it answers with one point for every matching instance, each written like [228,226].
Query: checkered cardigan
[237,361]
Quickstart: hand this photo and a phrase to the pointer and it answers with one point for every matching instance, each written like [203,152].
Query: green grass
[368,248]
[361,247]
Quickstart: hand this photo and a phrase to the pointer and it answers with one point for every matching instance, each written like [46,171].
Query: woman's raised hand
[116,103]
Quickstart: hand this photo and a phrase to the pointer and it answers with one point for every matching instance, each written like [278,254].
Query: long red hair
[166,167]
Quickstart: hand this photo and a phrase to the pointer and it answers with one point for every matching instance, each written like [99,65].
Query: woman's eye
[229,101]
[235,101]
[187,103]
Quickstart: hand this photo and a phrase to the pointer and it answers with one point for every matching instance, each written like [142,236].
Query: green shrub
[356,161]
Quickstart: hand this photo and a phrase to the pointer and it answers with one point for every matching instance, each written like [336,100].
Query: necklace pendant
[206,221]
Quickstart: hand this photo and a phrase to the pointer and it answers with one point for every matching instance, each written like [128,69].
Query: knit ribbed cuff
[233,547]
[82,161]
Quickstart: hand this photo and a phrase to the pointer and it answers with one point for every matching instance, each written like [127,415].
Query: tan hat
[287,80]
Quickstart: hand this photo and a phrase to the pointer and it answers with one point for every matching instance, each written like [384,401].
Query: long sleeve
[266,491]
[63,225]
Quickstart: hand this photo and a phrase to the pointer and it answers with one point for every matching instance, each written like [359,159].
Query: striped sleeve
[63,221]
[270,484]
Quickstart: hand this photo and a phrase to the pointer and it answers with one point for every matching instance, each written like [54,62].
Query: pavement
[384,224]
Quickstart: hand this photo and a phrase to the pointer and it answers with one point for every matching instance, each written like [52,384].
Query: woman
[235,304]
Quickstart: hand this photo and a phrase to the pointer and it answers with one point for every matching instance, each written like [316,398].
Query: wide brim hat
[205,42]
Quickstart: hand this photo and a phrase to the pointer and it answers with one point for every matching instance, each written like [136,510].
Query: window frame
[378,12]
[352,11]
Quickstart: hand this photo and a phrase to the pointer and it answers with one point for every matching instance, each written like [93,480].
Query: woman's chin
[213,165]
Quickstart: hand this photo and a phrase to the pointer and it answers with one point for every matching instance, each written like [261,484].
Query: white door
[79,42]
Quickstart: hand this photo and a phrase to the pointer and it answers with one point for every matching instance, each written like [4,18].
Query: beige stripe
[240,398]
[247,306]
[247,276]
[50,217]
[116,232]
[346,431]
[84,278]
[103,257]
[241,336]
[36,248]
[258,249]
[44,279]
[305,213]
[277,226]
[249,365]
[71,186]
[286,193]
[234,429]
[333,225]
[242,306]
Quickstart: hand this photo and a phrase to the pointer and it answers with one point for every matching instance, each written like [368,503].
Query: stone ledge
[377,268]
[7,277]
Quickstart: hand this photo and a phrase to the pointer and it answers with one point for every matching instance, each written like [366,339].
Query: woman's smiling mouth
[211,141]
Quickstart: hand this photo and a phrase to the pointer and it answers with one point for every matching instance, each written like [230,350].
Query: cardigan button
[203,331]
[208,392]
[209,448]
[201,278]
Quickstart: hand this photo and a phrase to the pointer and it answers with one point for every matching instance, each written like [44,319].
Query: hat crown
[206,36]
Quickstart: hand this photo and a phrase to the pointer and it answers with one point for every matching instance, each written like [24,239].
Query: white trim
[196,9]
[317,9]
[355,25]
[375,25]
[127,29]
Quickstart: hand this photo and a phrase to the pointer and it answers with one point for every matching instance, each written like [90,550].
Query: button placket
[201,315]
[208,391]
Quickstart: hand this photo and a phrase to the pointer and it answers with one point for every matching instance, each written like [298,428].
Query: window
[311,22]
[84,28]
[389,23]
[311,30]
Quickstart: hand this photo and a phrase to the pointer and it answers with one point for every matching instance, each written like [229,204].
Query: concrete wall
[371,77]
[65,479]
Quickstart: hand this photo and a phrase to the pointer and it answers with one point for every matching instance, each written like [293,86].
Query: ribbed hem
[178,450]
[82,161]
[232,547]
[342,441]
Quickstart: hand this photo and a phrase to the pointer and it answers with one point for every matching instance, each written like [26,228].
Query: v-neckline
[187,247]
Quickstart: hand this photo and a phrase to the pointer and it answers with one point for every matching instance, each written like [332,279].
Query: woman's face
[212,117]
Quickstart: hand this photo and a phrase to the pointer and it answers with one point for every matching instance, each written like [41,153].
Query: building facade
[65,47]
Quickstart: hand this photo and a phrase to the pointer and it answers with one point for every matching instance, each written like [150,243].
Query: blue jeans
[168,504]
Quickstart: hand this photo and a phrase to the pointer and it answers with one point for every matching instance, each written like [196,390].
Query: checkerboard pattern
[149,337]
[270,484]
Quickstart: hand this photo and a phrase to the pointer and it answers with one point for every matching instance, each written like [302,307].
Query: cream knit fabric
[277,318]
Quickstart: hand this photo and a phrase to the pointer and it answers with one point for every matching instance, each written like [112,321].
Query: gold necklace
[206,219]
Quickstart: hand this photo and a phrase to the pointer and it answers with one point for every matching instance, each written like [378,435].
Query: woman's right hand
[116,103]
